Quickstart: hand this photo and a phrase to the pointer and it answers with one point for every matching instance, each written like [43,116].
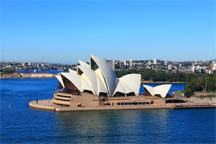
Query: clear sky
[65,32]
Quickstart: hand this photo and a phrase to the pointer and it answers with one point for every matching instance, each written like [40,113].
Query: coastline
[29,74]
[160,82]
[48,105]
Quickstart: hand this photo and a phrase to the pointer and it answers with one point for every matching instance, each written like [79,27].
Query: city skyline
[109,60]
[62,32]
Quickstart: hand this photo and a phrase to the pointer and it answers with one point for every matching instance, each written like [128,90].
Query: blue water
[20,123]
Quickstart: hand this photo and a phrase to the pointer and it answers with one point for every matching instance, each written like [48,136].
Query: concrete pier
[48,105]
[42,104]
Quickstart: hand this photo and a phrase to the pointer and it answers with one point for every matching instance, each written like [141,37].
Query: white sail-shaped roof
[149,89]
[91,76]
[126,87]
[75,79]
[101,87]
[85,77]
[109,75]
[133,81]
[162,90]
[119,88]
[84,64]
[60,80]
[98,77]
[123,88]
[94,80]
[85,86]
[71,71]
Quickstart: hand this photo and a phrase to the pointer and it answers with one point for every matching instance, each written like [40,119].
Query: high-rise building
[155,61]
[165,62]
[130,62]
[149,62]
[112,64]
[124,61]
[213,62]
[122,65]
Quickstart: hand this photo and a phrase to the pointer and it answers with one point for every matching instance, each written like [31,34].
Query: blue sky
[65,32]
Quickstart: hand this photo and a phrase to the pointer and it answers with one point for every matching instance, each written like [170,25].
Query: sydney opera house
[96,84]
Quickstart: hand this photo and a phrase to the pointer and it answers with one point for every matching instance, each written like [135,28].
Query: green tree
[188,92]
[210,82]
[190,88]
[188,78]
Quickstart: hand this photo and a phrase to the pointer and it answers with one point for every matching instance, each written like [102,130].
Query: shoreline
[48,105]
[57,74]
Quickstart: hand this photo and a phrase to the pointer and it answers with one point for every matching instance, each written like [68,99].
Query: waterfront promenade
[48,105]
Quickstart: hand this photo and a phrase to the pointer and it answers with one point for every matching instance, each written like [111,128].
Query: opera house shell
[96,84]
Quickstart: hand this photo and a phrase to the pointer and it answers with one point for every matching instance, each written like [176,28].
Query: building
[14,75]
[96,84]
[125,62]
[170,67]
[112,64]
[41,75]
[155,61]
[149,62]
[122,66]
[192,68]
[165,62]
[27,75]
[131,63]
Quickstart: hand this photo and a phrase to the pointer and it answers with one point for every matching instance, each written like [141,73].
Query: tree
[188,92]
[190,88]
[207,83]
[213,84]
[183,79]
[169,77]
[210,82]
[188,78]
[202,83]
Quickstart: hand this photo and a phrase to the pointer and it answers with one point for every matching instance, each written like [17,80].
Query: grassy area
[179,92]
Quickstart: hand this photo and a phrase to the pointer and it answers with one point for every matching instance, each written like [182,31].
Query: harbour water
[20,123]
